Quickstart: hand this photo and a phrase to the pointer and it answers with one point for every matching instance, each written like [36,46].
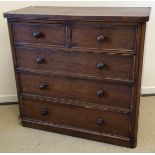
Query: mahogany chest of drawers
[78,70]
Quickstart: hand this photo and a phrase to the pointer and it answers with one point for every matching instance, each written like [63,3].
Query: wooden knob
[100,66]
[100,38]
[36,34]
[39,60]
[42,86]
[100,93]
[44,112]
[100,121]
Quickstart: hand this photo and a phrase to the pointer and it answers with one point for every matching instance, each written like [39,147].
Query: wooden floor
[15,138]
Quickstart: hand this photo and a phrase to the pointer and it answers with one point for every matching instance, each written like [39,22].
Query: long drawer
[77,117]
[78,63]
[91,91]
[47,34]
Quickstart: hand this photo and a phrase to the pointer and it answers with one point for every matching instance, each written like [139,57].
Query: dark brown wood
[77,63]
[77,117]
[137,87]
[77,89]
[78,70]
[78,103]
[54,34]
[14,64]
[76,132]
[131,14]
[121,37]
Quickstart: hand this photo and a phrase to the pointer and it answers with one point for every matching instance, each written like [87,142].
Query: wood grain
[77,117]
[78,70]
[137,14]
[115,37]
[77,63]
[49,34]
[78,89]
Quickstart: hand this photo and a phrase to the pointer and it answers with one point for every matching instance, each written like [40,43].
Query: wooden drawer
[48,34]
[104,37]
[77,63]
[78,70]
[77,117]
[92,91]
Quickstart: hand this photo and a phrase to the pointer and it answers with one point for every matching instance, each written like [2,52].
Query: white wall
[7,79]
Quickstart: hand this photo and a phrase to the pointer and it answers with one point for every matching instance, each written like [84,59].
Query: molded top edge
[130,14]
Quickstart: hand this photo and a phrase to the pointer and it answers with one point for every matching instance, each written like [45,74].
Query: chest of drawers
[78,70]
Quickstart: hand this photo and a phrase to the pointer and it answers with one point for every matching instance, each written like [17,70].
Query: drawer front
[76,116]
[92,91]
[77,63]
[49,34]
[112,37]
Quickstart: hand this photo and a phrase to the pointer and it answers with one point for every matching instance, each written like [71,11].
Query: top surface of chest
[132,14]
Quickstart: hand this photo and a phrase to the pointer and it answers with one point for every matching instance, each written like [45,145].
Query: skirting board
[8,98]
[13,98]
[148,90]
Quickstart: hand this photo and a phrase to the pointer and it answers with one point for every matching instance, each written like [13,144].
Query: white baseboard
[147,90]
[8,98]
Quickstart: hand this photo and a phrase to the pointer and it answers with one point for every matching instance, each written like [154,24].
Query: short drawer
[77,117]
[98,65]
[48,34]
[104,37]
[83,90]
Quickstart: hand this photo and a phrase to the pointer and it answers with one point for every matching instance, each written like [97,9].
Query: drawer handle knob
[42,86]
[100,121]
[44,112]
[100,93]
[36,34]
[39,60]
[100,38]
[100,66]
